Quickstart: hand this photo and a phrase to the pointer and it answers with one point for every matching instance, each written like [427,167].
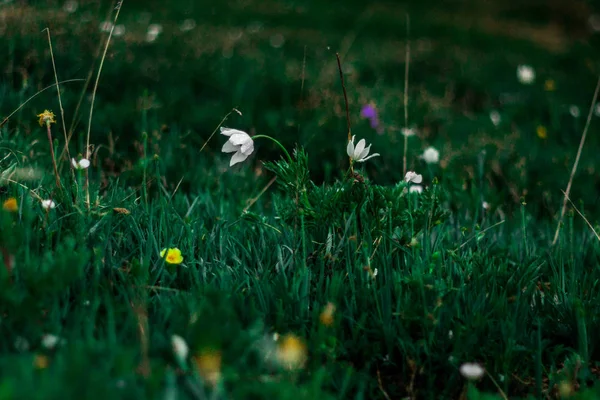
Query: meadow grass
[159,271]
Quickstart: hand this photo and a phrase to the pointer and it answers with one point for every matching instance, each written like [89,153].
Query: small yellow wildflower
[173,255]
[41,362]
[549,85]
[326,316]
[291,352]
[46,118]
[208,363]
[10,205]
[542,132]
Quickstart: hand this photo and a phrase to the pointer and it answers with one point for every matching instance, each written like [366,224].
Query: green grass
[421,283]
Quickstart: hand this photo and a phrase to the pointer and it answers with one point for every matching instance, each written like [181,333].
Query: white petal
[84,163]
[229,147]
[74,163]
[247,148]
[229,131]
[350,148]
[365,152]
[359,148]
[237,157]
[239,138]
[371,156]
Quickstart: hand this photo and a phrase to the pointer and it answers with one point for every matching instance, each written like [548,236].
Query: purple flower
[369,111]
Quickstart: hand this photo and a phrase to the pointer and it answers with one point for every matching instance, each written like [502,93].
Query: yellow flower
[208,363]
[291,352]
[41,361]
[10,205]
[542,132]
[326,316]
[47,117]
[549,85]
[173,255]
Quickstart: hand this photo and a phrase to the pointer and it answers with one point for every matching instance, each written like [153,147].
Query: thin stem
[406,68]
[52,154]
[62,110]
[574,170]
[87,142]
[276,142]
[345,95]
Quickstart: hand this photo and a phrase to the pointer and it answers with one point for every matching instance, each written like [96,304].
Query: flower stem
[52,154]
[276,142]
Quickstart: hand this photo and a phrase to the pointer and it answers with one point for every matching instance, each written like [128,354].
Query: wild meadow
[265,199]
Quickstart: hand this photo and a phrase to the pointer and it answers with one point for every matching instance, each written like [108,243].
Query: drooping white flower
[495,117]
[48,204]
[81,164]
[360,152]
[471,371]
[153,31]
[239,142]
[431,155]
[408,132]
[415,189]
[574,111]
[525,74]
[50,341]
[180,347]
[412,176]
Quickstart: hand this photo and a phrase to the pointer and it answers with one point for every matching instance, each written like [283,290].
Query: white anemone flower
[239,142]
[48,204]
[431,155]
[412,176]
[180,347]
[471,371]
[525,74]
[360,152]
[81,164]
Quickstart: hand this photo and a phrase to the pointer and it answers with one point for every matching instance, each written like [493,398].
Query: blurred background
[175,69]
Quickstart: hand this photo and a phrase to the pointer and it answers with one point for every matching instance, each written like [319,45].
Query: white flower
[526,74]
[485,205]
[431,155]
[81,164]
[360,152]
[187,25]
[106,26]
[574,111]
[50,341]
[48,204]
[495,117]
[597,110]
[408,132]
[153,31]
[594,22]
[412,176]
[180,347]
[70,6]
[450,334]
[415,189]
[239,142]
[471,371]
[119,30]
[21,344]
